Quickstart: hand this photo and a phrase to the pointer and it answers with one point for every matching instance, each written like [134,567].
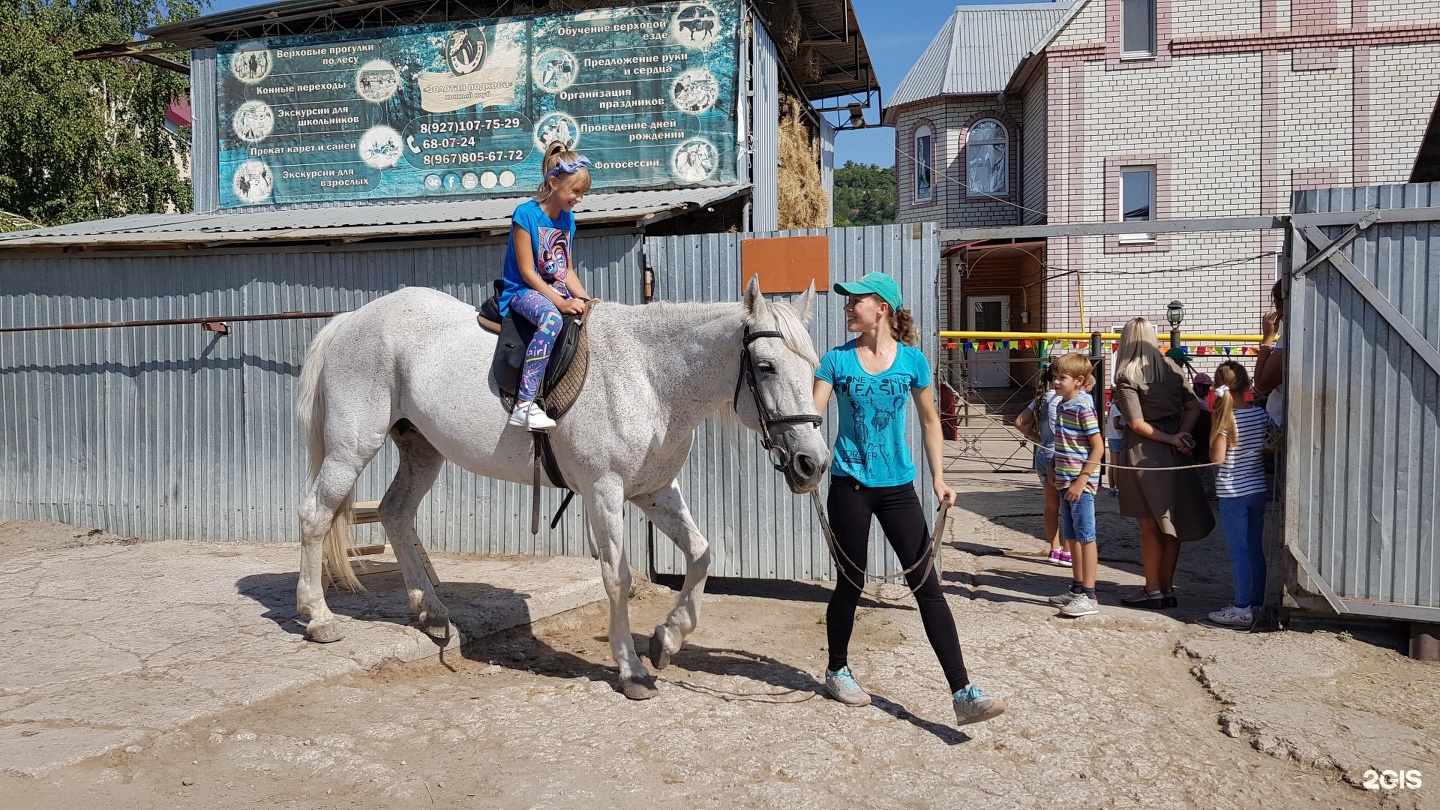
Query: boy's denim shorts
[1077,518]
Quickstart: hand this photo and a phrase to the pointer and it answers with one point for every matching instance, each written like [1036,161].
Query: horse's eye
[766,366]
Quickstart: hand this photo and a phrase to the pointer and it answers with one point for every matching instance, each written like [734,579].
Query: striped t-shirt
[1075,423]
[1243,472]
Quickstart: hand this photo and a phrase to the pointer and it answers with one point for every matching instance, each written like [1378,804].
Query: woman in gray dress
[1167,499]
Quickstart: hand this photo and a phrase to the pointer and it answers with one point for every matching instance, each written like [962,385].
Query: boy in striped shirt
[1079,449]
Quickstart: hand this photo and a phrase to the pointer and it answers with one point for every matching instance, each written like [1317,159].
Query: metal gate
[1362,496]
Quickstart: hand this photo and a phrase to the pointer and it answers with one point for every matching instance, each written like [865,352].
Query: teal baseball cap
[874,282]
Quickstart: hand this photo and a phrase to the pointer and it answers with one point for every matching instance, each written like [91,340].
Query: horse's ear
[754,301]
[805,307]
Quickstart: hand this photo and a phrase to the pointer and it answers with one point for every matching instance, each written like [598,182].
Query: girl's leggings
[537,309]
[851,506]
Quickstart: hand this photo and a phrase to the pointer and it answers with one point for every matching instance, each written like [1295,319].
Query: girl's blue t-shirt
[550,241]
[871,446]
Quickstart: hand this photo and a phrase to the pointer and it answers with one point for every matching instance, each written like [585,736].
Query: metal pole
[283,316]
[1098,359]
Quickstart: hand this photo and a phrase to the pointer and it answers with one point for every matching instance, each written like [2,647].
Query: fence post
[1097,358]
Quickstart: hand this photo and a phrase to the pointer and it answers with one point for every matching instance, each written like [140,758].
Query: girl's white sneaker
[530,416]
[1232,616]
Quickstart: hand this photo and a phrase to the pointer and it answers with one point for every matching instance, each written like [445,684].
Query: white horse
[415,366]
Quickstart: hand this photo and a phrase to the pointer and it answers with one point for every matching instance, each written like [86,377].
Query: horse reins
[930,560]
[767,419]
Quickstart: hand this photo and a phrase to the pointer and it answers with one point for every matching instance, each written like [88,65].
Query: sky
[894,40]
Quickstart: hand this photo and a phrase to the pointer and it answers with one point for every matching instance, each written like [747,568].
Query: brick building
[1102,110]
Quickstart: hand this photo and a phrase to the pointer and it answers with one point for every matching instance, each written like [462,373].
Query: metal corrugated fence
[756,527]
[205,148]
[764,74]
[172,432]
[1363,411]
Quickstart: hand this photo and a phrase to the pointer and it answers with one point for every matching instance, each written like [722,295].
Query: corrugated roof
[829,30]
[977,50]
[357,221]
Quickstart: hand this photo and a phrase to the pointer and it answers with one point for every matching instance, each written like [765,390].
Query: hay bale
[783,21]
[802,199]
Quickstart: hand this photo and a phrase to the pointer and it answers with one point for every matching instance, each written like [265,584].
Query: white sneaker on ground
[1063,599]
[1081,605]
[1232,616]
[530,416]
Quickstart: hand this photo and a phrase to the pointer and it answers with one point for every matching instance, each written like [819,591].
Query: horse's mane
[788,322]
[792,330]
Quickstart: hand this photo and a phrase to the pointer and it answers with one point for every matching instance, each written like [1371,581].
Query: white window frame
[924,162]
[1154,172]
[1154,30]
[1004,141]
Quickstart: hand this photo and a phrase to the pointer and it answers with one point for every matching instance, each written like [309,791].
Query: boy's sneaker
[1061,558]
[530,416]
[1232,616]
[1063,599]
[1081,605]
[972,706]
[843,687]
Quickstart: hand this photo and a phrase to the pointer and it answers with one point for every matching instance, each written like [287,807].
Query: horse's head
[777,368]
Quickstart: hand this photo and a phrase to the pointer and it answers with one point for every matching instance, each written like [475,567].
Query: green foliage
[84,140]
[864,194]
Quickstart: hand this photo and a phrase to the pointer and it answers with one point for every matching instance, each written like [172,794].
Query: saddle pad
[564,375]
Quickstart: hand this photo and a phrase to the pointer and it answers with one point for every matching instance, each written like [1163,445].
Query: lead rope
[930,560]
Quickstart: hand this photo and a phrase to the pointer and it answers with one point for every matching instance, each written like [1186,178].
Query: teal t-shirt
[871,445]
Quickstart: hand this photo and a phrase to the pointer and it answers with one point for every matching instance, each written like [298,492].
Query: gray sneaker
[843,687]
[972,706]
[1063,599]
[1081,605]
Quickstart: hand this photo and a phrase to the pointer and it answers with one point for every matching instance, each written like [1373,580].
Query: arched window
[924,161]
[987,158]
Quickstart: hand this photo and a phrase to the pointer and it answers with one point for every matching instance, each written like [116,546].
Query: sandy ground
[1127,709]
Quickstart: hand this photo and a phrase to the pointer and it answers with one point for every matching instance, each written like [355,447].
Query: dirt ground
[1127,709]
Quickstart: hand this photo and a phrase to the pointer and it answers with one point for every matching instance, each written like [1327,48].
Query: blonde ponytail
[1236,380]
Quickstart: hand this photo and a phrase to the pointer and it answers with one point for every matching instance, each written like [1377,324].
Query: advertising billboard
[648,93]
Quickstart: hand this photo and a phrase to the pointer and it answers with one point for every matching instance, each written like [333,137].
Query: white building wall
[1035,143]
[1404,88]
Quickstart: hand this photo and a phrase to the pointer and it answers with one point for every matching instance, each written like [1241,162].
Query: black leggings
[851,506]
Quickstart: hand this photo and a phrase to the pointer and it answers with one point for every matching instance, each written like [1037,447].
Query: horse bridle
[778,457]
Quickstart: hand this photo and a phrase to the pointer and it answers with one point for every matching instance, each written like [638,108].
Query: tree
[86,139]
[864,194]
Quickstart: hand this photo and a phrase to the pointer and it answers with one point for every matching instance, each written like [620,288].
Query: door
[989,313]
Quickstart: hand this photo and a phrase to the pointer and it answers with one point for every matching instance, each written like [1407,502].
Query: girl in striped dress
[1237,440]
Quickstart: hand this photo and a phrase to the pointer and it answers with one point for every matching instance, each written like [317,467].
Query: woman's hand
[944,492]
[1183,442]
[1270,328]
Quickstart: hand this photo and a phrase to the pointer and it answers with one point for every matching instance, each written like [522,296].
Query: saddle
[569,359]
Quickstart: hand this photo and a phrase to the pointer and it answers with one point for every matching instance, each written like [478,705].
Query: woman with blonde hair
[1163,494]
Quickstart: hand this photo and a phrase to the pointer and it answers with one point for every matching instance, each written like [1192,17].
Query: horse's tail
[311,407]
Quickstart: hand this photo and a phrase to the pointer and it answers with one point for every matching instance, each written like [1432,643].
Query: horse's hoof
[436,626]
[640,688]
[658,656]
[323,632]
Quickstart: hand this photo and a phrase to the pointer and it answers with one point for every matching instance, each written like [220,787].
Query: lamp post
[1175,313]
